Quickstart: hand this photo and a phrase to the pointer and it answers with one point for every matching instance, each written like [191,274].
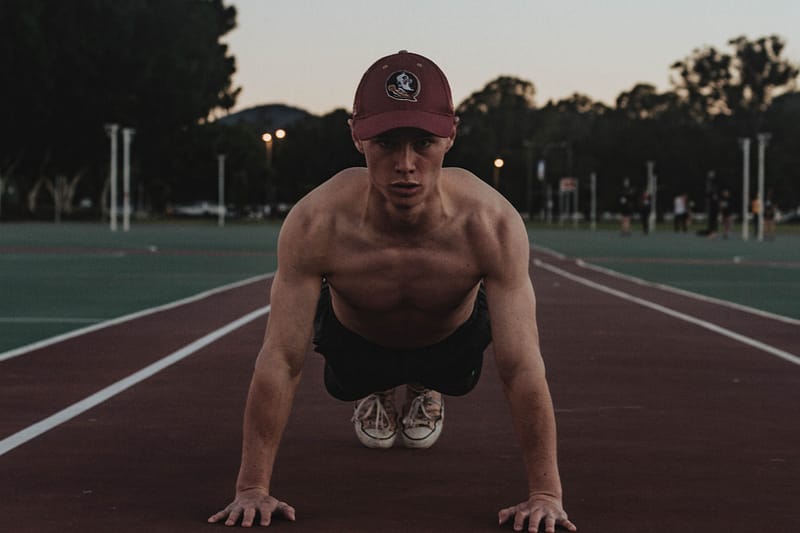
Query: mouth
[406,188]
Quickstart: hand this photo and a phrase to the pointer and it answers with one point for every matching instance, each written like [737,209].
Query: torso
[411,290]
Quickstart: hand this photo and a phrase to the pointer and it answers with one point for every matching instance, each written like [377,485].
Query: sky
[311,54]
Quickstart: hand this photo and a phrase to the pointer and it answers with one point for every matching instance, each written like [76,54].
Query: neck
[389,219]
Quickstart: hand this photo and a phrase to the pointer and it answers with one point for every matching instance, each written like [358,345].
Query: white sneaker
[375,420]
[424,419]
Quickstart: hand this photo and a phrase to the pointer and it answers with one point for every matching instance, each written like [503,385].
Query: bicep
[293,303]
[293,300]
[512,307]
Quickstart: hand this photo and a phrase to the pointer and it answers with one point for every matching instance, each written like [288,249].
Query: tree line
[160,67]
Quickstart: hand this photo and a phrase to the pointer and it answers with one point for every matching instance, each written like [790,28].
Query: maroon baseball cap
[403,90]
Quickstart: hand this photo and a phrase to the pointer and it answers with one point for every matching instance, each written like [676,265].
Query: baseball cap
[403,90]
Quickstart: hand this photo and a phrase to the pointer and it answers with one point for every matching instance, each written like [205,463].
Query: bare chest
[404,294]
[411,278]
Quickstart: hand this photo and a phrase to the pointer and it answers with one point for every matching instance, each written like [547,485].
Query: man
[397,267]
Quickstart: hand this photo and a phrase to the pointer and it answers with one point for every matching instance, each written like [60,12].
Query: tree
[712,83]
[495,122]
[328,139]
[782,119]
[644,102]
[154,65]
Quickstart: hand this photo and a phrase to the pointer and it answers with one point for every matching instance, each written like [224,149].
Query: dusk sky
[311,54]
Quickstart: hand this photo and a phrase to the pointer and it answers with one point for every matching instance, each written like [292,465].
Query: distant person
[645,209]
[770,212]
[626,208]
[726,210]
[713,214]
[404,271]
[755,210]
[680,213]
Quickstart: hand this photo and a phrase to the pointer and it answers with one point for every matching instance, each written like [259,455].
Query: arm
[512,308]
[294,295]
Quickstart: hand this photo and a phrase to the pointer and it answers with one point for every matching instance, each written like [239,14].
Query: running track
[674,413]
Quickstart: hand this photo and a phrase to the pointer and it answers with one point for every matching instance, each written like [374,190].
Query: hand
[247,503]
[539,509]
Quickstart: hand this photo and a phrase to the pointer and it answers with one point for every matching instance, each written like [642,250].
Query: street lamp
[268,139]
[498,164]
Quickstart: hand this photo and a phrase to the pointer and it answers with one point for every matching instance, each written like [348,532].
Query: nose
[405,158]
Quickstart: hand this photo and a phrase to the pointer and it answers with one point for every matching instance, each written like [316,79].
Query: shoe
[375,420]
[424,419]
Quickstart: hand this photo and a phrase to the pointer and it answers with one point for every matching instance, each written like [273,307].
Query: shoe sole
[426,438]
[375,442]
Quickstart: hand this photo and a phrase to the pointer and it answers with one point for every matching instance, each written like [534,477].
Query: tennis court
[126,358]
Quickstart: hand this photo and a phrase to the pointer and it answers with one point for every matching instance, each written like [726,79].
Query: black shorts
[356,367]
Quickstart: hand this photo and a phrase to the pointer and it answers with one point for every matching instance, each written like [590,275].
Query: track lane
[45,380]
[662,426]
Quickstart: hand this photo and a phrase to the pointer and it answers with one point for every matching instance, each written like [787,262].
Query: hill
[267,117]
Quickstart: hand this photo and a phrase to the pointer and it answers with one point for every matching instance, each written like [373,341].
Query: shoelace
[418,415]
[370,405]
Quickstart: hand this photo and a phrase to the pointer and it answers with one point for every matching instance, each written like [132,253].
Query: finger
[233,517]
[286,510]
[213,519]
[565,523]
[519,519]
[535,520]
[249,515]
[266,515]
[505,514]
[550,524]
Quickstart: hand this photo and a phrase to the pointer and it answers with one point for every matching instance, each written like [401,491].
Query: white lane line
[792,358]
[33,431]
[46,320]
[669,288]
[127,318]
[696,296]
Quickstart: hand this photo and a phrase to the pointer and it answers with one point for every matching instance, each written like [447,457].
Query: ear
[356,141]
[453,132]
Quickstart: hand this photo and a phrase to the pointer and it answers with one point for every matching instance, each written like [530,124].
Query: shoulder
[316,218]
[491,223]
[323,204]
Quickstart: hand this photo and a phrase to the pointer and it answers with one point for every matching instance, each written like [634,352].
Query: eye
[424,142]
[384,143]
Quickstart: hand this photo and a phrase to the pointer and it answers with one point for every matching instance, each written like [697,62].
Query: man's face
[405,163]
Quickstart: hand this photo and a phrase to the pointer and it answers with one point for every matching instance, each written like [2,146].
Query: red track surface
[663,426]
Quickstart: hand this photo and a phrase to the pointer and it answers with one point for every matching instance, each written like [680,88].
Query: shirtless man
[397,268]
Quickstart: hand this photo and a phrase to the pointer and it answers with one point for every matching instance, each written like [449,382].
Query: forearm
[269,403]
[534,422]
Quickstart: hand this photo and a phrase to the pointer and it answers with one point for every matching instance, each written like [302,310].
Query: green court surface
[57,278]
[764,275]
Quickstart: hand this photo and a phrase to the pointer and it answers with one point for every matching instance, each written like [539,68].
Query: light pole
[529,145]
[593,202]
[744,143]
[269,138]
[111,130]
[652,188]
[763,140]
[221,189]
[498,164]
[127,136]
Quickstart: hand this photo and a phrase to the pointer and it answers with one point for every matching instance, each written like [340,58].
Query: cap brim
[440,125]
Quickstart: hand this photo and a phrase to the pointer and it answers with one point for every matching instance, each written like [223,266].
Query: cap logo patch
[403,85]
